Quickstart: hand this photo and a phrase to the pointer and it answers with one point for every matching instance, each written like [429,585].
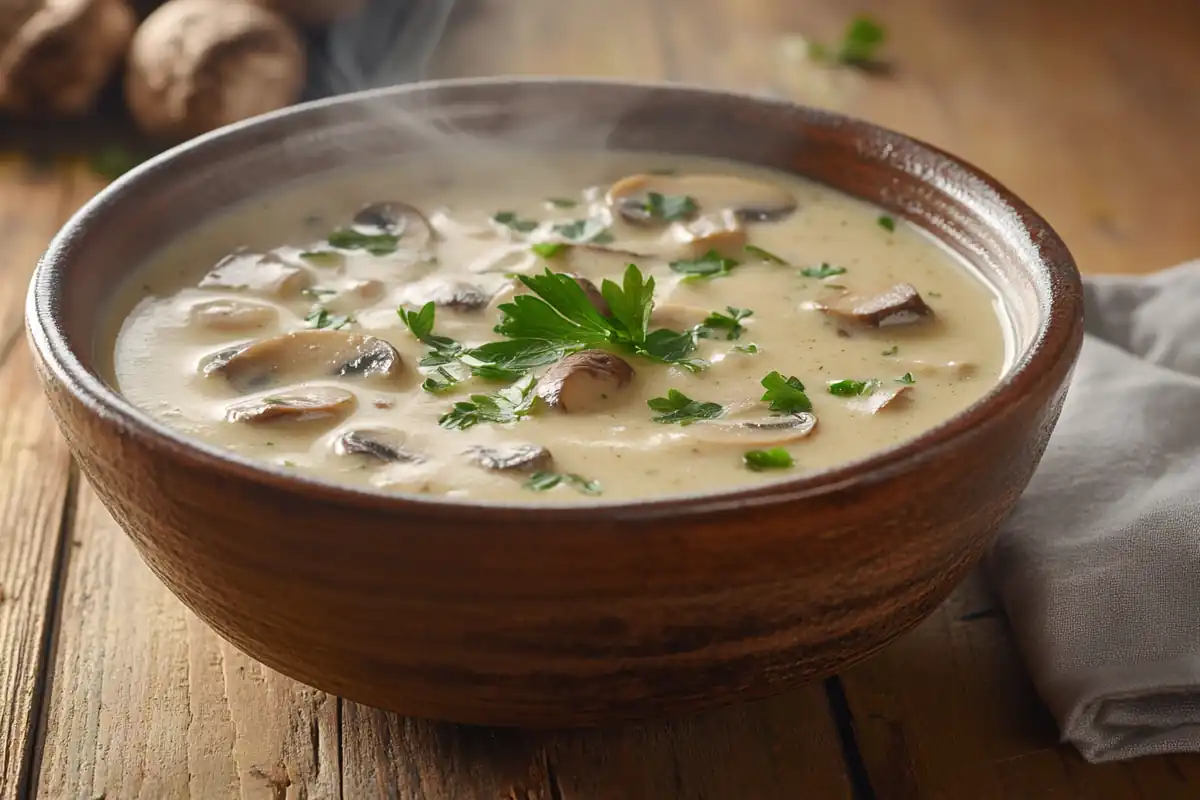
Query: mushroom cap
[323,404]
[749,424]
[304,355]
[411,228]
[516,458]
[902,304]
[56,57]
[445,293]
[749,199]
[879,399]
[197,65]
[232,315]
[381,444]
[721,231]
[266,274]
[584,380]
[313,13]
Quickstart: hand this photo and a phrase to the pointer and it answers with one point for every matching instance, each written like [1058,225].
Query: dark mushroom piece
[584,381]
[446,293]
[304,355]
[511,458]
[747,199]
[747,424]
[266,274]
[315,404]
[899,305]
[410,227]
[878,400]
[381,444]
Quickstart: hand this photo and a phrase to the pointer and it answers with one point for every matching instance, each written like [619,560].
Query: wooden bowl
[508,614]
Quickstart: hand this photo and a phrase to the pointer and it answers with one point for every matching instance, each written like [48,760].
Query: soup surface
[471,326]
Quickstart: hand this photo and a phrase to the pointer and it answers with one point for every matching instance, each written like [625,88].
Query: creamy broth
[255,333]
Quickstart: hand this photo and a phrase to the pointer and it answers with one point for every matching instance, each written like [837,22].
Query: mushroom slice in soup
[747,424]
[446,293]
[900,305]
[511,458]
[381,444]
[878,400]
[392,218]
[750,200]
[304,355]
[266,274]
[348,296]
[584,381]
[312,404]
[232,315]
[719,231]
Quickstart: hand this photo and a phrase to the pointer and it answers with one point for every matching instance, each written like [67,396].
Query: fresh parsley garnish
[891,351]
[710,265]
[906,378]
[442,349]
[678,408]
[822,272]
[785,395]
[751,348]
[764,255]
[510,404]
[321,318]
[440,380]
[584,230]
[377,244]
[669,207]
[549,249]
[934,294]
[562,202]
[774,458]
[511,221]
[509,360]
[887,223]
[724,326]
[848,387]
[860,42]
[544,481]
[324,258]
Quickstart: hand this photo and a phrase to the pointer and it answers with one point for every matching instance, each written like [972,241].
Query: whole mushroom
[313,13]
[56,56]
[197,65]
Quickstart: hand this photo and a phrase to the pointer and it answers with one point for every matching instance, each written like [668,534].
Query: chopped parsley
[440,380]
[934,294]
[751,348]
[663,171]
[710,265]
[549,249]
[785,395]
[774,458]
[544,481]
[321,318]
[669,207]
[510,404]
[442,349]
[324,258]
[860,42]
[678,408]
[724,326]
[511,221]
[316,292]
[822,272]
[509,360]
[377,244]
[764,255]
[887,223]
[891,351]
[584,230]
[906,378]
[849,387]
[561,202]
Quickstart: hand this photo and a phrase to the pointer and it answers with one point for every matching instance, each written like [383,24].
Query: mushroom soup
[556,328]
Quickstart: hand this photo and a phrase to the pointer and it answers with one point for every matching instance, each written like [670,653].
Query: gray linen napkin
[1099,566]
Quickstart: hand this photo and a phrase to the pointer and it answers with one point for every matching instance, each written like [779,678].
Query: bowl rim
[1055,277]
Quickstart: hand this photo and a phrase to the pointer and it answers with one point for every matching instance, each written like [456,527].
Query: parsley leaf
[584,230]
[630,303]
[724,326]
[509,360]
[324,258]
[377,244]
[562,202]
[321,318]
[764,255]
[861,40]
[887,223]
[442,349]
[672,347]
[852,388]
[906,378]
[549,249]
[711,265]
[891,351]
[677,407]
[544,481]
[511,221]
[751,349]
[821,272]
[440,380]
[774,458]
[669,207]
[785,395]
[510,404]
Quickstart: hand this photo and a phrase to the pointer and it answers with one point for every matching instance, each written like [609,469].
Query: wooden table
[110,689]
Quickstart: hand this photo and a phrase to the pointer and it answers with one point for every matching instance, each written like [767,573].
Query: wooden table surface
[110,689]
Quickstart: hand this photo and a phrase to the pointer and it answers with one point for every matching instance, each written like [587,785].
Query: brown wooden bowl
[509,614]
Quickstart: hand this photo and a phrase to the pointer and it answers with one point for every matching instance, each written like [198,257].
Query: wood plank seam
[852,758]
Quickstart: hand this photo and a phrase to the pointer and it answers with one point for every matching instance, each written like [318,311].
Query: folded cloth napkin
[1099,566]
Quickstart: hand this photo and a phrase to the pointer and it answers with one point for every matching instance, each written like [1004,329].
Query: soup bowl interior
[509,614]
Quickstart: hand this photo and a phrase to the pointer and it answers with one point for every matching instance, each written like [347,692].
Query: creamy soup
[556,328]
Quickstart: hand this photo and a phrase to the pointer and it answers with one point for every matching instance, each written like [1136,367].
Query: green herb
[440,380]
[510,404]
[852,388]
[672,347]
[669,207]
[860,42]
[544,481]
[562,202]
[324,258]
[509,360]
[113,162]
[377,244]
[891,351]
[273,400]
[750,349]
[677,407]
[316,293]
[822,272]
[765,255]
[834,286]
[321,318]
[724,326]
[785,395]
[774,458]
[549,249]
[887,223]
[934,294]
[288,463]
[584,230]
[511,221]
[711,265]
[906,378]
[443,350]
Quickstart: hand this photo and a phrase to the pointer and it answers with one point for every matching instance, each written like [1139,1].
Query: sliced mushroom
[312,404]
[749,200]
[401,220]
[584,381]
[899,305]
[352,295]
[232,315]
[265,274]
[381,444]
[594,295]
[446,293]
[877,400]
[720,231]
[304,355]
[515,458]
[747,424]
